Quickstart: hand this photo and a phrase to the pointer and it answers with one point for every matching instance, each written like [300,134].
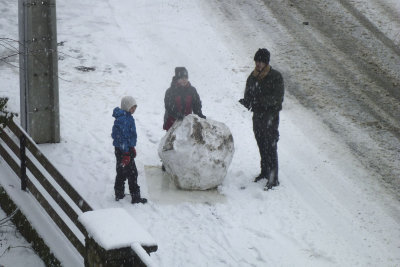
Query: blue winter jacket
[124,130]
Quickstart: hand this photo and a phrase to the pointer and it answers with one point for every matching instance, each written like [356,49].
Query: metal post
[39,70]
[23,161]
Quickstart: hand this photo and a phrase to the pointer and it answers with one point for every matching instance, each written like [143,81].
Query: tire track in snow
[371,27]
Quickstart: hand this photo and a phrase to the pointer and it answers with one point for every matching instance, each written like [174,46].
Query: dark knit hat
[181,72]
[262,55]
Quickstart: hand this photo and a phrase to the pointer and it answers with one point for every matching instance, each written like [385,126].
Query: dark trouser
[128,172]
[265,127]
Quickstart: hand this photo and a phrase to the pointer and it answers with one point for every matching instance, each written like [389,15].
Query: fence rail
[32,147]
[35,162]
[26,183]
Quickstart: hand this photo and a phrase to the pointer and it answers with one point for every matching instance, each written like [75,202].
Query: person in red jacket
[181,99]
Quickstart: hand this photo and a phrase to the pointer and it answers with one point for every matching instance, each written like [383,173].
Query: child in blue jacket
[124,140]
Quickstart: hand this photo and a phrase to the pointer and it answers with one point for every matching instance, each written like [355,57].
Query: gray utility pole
[40,115]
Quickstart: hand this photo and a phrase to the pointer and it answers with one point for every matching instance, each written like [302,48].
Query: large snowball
[197,152]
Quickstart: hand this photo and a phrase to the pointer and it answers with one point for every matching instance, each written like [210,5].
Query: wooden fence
[18,135]
[20,170]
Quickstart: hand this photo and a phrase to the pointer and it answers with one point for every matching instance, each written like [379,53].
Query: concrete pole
[40,115]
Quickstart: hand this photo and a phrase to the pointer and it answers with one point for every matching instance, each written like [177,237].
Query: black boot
[138,199]
[269,185]
[119,196]
[260,177]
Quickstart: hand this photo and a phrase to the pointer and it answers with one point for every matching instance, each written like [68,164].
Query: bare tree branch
[4,42]
[11,247]
[8,218]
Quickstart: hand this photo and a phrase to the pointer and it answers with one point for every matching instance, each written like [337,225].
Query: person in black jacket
[264,96]
[181,99]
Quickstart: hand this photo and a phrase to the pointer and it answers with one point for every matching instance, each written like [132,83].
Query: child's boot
[119,195]
[138,199]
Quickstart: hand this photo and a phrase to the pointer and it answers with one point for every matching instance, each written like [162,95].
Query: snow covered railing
[48,166]
[66,207]
[38,183]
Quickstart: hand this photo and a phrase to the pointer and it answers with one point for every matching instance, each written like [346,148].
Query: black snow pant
[128,172]
[265,127]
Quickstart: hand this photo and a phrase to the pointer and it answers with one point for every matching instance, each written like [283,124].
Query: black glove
[202,116]
[245,103]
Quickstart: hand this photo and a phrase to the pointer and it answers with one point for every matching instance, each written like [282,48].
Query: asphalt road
[367,87]
[338,59]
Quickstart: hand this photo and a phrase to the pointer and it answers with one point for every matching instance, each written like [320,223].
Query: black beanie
[262,55]
[181,72]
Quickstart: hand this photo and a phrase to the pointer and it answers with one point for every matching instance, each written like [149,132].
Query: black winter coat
[265,95]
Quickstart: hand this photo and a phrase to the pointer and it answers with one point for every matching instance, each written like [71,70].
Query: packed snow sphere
[197,153]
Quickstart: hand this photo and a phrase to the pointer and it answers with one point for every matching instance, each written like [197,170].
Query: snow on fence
[48,186]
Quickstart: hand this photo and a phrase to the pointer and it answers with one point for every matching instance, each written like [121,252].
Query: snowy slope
[328,211]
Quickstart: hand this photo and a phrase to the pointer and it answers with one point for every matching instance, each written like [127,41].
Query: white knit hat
[127,102]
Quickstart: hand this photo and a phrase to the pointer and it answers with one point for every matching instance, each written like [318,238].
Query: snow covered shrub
[5,116]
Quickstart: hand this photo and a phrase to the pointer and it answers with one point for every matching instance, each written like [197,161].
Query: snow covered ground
[329,209]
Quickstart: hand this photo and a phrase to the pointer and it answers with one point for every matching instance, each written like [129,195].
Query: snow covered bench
[116,239]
